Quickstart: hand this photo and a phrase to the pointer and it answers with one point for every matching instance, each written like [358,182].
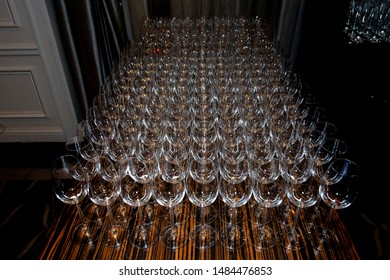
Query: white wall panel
[35,99]
[16,86]
[15,29]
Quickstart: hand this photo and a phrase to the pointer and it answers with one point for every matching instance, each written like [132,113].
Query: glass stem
[202,233]
[172,215]
[296,218]
[140,217]
[110,215]
[84,224]
[113,229]
[234,217]
[141,228]
[233,227]
[286,211]
[202,216]
[173,226]
[265,217]
[313,215]
[80,211]
[327,223]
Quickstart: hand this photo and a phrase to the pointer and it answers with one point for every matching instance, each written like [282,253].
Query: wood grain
[59,244]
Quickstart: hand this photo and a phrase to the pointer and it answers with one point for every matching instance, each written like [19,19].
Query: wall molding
[33,134]
[29,46]
[8,18]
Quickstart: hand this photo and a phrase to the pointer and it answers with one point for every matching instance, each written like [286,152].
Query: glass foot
[293,240]
[203,236]
[86,233]
[181,213]
[95,213]
[143,237]
[152,213]
[233,237]
[257,215]
[122,213]
[263,237]
[114,235]
[325,241]
[173,237]
[229,212]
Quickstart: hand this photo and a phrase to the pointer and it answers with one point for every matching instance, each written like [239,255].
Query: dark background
[352,83]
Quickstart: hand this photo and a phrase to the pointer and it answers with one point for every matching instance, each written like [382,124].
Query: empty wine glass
[83,147]
[102,119]
[171,194]
[235,191]
[269,191]
[104,189]
[322,157]
[301,195]
[138,195]
[202,191]
[338,190]
[174,171]
[331,149]
[70,186]
[119,154]
[85,150]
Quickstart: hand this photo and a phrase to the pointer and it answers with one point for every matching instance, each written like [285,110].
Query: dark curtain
[282,16]
[93,34]
[269,10]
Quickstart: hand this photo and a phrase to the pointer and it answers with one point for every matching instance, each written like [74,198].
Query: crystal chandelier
[368,21]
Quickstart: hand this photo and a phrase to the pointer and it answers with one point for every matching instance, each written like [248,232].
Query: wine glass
[301,195]
[202,190]
[204,151]
[171,194]
[338,190]
[85,150]
[70,186]
[137,195]
[83,147]
[331,149]
[174,171]
[235,191]
[143,169]
[104,189]
[297,169]
[119,154]
[269,191]
[98,136]
[102,119]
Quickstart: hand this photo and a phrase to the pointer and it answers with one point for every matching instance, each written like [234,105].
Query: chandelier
[368,21]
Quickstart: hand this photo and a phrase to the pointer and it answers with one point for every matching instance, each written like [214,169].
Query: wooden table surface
[59,244]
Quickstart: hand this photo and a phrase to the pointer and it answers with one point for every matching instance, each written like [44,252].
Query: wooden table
[59,243]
